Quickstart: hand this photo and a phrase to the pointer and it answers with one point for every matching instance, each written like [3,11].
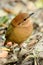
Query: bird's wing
[8,32]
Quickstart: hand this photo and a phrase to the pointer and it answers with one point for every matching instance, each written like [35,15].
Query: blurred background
[9,9]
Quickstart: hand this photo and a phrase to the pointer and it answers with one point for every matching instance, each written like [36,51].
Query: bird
[19,29]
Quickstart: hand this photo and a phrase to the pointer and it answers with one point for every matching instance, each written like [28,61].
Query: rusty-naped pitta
[19,30]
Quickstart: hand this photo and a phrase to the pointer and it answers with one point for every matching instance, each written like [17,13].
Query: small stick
[10,63]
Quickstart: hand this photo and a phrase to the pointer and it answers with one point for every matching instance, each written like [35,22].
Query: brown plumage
[19,30]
